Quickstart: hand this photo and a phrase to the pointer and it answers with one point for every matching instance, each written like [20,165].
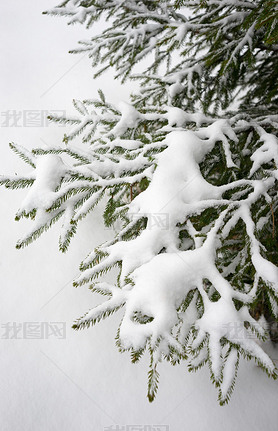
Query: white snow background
[81,382]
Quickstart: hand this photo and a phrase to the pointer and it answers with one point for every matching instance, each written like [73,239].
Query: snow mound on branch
[49,170]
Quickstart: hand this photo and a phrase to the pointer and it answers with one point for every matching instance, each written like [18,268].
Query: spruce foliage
[189,172]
